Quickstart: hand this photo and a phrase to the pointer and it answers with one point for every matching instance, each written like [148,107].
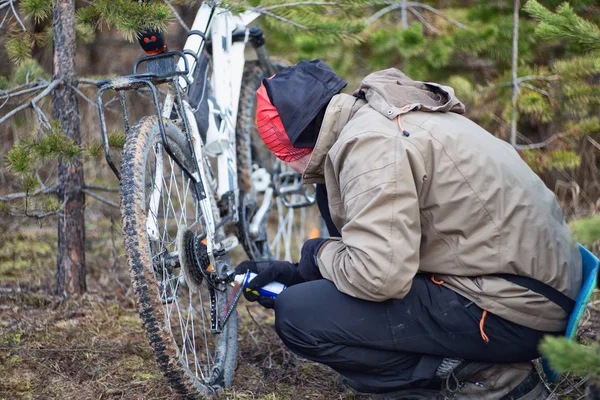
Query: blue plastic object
[589,277]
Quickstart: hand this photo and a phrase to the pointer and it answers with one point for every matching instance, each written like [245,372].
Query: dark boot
[497,382]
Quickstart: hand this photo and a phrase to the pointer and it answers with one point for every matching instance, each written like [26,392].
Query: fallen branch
[255,323]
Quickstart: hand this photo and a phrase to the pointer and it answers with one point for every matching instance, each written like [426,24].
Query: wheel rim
[287,228]
[186,311]
[292,226]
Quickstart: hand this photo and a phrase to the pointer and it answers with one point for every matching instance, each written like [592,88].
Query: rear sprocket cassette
[193,258]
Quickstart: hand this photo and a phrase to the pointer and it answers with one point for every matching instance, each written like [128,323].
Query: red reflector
[153,38]
[153,52]
[146,40]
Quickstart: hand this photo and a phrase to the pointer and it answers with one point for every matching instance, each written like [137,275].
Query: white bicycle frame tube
[228,67]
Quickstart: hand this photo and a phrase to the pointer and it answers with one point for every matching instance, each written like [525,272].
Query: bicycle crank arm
[262,213]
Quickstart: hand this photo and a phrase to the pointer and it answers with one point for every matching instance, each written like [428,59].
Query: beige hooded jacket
[444,197]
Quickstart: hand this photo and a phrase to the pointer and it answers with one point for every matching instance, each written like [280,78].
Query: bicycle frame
[217,24]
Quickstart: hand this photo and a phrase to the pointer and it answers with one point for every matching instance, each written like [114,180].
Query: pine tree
[581,93]
[468,45]
[59,139]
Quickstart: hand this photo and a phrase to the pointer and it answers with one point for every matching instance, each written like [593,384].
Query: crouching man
[448,259]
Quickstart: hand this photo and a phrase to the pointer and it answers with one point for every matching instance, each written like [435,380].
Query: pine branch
[437,12]
[42,118]
[83,96]
[22,195]
[411,6]
[11,4]
[177,16]
[27,88]
[279,18]
[129,17]
[35,214]
[39,10]
[424,22]
[312,21]
[102,188]
[301,3]
[18,46]
[542,144]
[535,89]
[565,355]
[37,98]
[100,198]
[382,12]
[564,24]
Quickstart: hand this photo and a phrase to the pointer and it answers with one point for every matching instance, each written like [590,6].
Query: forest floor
[94,346]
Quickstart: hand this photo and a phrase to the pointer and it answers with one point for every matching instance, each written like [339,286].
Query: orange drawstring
[481,322]
[483,335]
[405,133]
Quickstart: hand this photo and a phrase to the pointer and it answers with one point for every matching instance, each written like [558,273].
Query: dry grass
[94,347]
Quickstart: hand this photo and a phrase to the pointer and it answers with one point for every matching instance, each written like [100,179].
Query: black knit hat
[300,93]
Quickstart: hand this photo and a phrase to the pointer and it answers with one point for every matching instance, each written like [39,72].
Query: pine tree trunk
[70,262]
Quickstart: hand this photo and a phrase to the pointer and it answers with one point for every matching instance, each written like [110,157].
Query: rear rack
[160,68]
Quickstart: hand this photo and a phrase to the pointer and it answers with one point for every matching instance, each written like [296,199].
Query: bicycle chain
[214,317]
[196,254]
[232,304]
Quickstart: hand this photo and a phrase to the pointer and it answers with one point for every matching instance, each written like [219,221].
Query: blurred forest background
[540,92]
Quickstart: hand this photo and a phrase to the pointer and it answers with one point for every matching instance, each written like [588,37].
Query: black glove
[267,272]
[282,271]
[308,267]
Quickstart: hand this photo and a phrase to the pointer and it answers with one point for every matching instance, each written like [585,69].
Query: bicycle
[180,219]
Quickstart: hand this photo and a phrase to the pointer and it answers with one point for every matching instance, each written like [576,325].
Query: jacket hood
[300,93]
[340,110]
[392,93]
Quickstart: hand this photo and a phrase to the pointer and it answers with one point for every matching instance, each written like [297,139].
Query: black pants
[394,344]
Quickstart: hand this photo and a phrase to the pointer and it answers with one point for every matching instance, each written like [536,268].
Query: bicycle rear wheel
[286,228]
[158,204]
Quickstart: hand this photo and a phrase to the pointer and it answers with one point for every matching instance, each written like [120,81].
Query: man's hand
[282,271]
[267,272]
